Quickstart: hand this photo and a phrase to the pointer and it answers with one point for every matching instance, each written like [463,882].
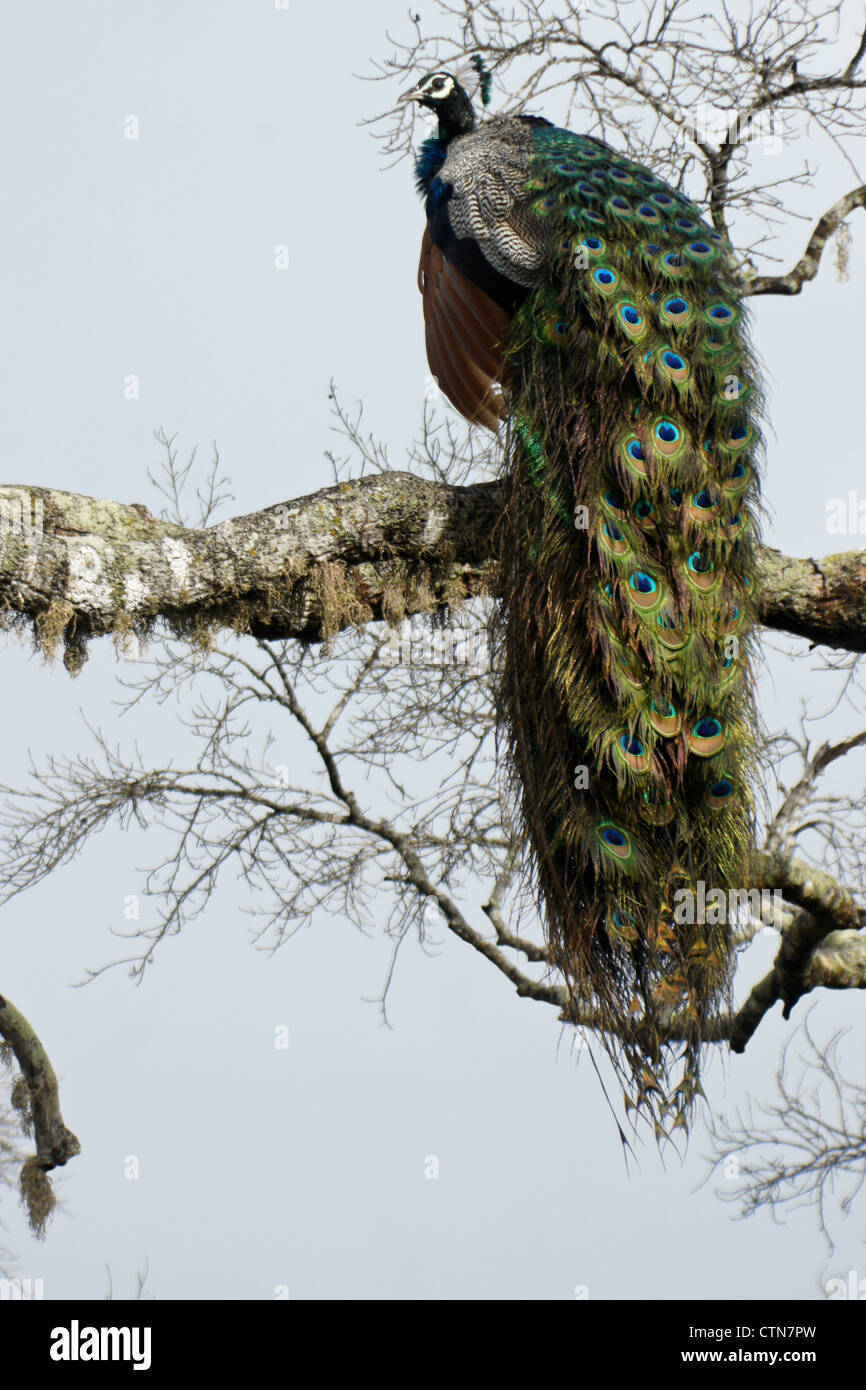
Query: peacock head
[442,93]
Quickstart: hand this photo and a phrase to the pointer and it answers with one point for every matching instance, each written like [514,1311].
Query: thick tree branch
[77,566]
[809,957]
[55,1144]
[35,1096]
[823,600]
[807,267]
[385,546]
[822,946]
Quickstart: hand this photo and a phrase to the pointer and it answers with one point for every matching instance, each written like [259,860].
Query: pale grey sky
[305,1168]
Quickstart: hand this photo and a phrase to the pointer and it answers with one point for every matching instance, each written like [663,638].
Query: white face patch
[439,85]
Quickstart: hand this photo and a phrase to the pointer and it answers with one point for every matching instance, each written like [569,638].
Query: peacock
[578,304]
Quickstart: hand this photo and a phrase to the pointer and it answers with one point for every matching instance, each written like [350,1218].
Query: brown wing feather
[465,333]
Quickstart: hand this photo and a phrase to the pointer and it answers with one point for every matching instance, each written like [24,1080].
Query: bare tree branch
[804,1148]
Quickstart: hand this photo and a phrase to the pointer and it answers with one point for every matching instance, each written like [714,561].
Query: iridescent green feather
[632,494]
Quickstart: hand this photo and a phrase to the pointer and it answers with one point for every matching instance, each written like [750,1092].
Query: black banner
[64,1339]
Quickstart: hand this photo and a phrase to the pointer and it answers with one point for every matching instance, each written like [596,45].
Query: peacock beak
[415,95]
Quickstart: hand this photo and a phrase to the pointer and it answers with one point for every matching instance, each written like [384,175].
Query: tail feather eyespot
[632,752]
[668,438]
[664,718]
[634,456]
[706,736]
[616,844]
[720,793]
[701,572]
[645,592]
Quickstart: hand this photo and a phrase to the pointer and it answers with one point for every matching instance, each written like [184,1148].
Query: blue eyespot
[631,745]
[643,583]
[707,728]
[668,713]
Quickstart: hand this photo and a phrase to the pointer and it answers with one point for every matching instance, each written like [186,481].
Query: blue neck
[431,157]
